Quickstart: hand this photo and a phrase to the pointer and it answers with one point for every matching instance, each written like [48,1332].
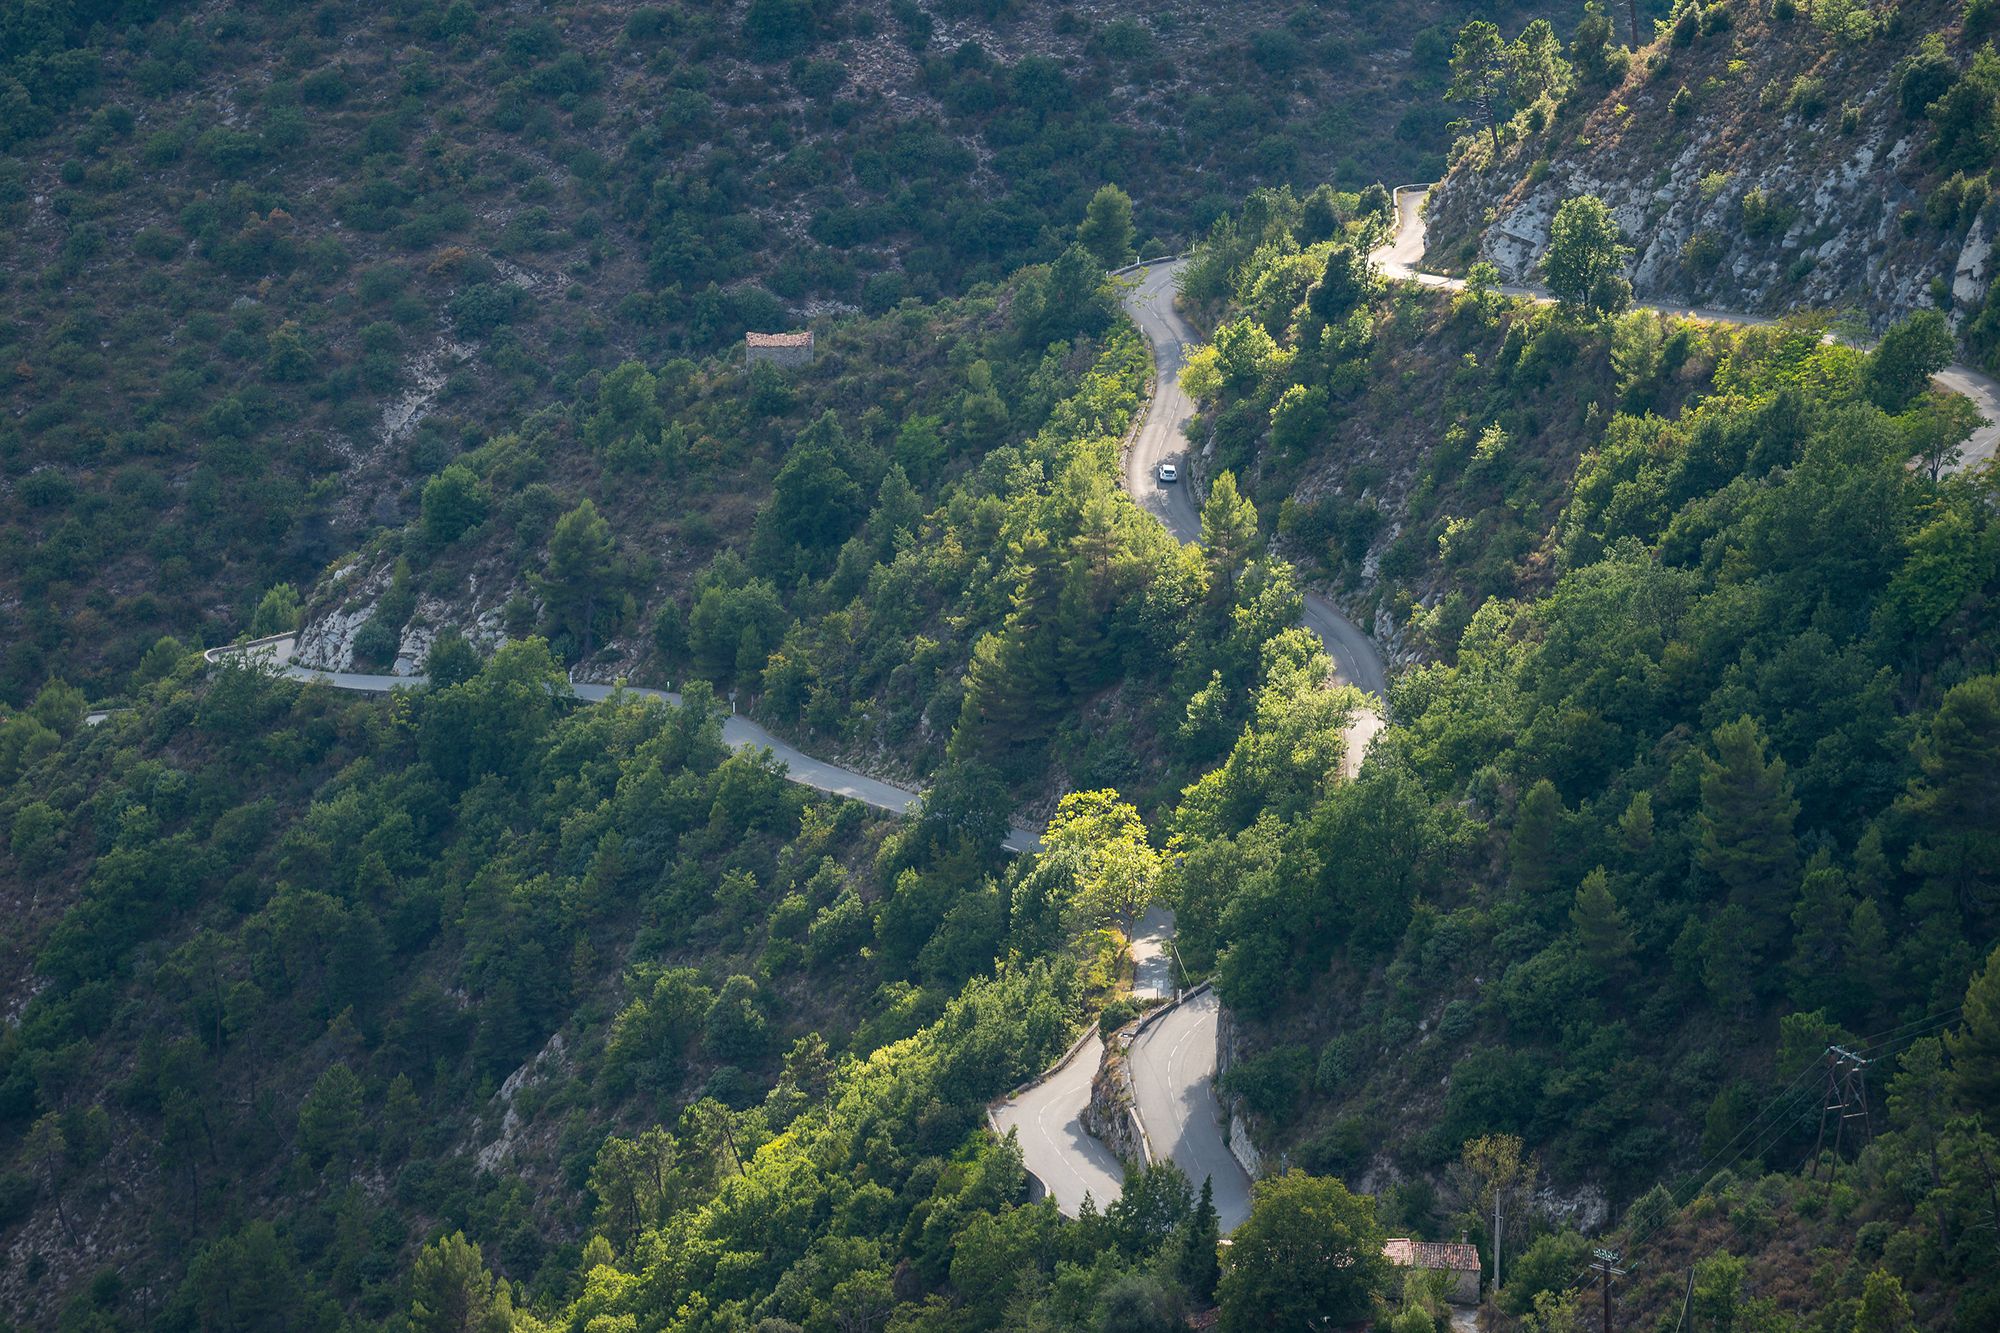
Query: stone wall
[778,349]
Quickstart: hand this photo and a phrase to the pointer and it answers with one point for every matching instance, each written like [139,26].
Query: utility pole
[1497,1191]
[1605,1264]
[1846,1099]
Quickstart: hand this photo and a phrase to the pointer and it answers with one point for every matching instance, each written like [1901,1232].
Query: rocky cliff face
[1109,1116]
[1228,1050]
[1787,176]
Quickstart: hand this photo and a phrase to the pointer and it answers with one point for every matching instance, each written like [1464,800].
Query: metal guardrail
[221,651]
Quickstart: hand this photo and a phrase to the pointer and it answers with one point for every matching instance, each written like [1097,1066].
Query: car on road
[1168,473]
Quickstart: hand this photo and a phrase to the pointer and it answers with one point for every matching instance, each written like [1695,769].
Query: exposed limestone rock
[551,1059]
[1228,1050]
[1109,1117]
[1760,201]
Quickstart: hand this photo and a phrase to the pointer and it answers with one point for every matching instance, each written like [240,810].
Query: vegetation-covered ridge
[1704,765]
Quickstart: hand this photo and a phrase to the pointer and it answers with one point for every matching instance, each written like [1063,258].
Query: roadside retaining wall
[1228,1049]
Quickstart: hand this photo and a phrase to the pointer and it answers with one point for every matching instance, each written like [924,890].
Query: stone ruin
[780,349]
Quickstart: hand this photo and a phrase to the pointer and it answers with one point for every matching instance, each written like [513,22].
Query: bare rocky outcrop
[1110,1117]
[552,1060]
[326,639]
[1791,181]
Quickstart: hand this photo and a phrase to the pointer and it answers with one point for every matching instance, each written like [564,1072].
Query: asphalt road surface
[1173,1088]
[1152,955]
[1161,439]
[738,732]
[1066,1159]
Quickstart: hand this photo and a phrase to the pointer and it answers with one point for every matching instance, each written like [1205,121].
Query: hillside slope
[1760,162]
[301,260]
[1709,723]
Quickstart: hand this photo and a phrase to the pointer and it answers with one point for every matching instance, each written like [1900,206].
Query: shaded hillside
[266,269]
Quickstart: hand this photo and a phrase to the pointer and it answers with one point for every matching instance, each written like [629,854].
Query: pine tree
[1819,935]
[1601,932]
[1479,73]
[1975,1046]
[1531,850]
[1745,827]
[1884,1307]
[1229,538]
[1106,231]
[580,562]
[1197,1264]
[1956,804]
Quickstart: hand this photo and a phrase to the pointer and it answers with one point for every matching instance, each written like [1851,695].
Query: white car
[1169,473]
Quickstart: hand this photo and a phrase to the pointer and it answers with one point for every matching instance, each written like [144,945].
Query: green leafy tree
[1531,847]
[1229,538]
[1535,65]
[1601,930]
[1745,826]
[451,1290]
[1592,46]
[634,1181]
[1915,348]
[1955,803]
[1195,1256]
[576,578]
[454,502]
[1106,231]
[1584,263]
[330,1117]
[451,660]
[1884,1308]
[1113,867]
[734,1028]
[814,504]
[277,612]
[1492,1174]
[1310,1252]
[1975,1045]
[1345,282]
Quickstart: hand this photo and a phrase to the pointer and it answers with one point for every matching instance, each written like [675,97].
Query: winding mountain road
[1173,1089]
[1401,258]
[1173,1059]
[1058,1151]
[738,732]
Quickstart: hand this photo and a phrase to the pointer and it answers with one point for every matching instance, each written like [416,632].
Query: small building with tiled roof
[1457,1260]
[780,349]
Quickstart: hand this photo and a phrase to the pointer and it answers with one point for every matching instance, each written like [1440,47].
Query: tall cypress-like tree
[1956,804]
[580,563]
[1531,850]
[1197,1265]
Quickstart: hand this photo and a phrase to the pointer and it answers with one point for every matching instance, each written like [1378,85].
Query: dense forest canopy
[1653,909]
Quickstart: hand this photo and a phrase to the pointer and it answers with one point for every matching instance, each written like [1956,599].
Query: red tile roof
[779,339]
[1452,1256]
